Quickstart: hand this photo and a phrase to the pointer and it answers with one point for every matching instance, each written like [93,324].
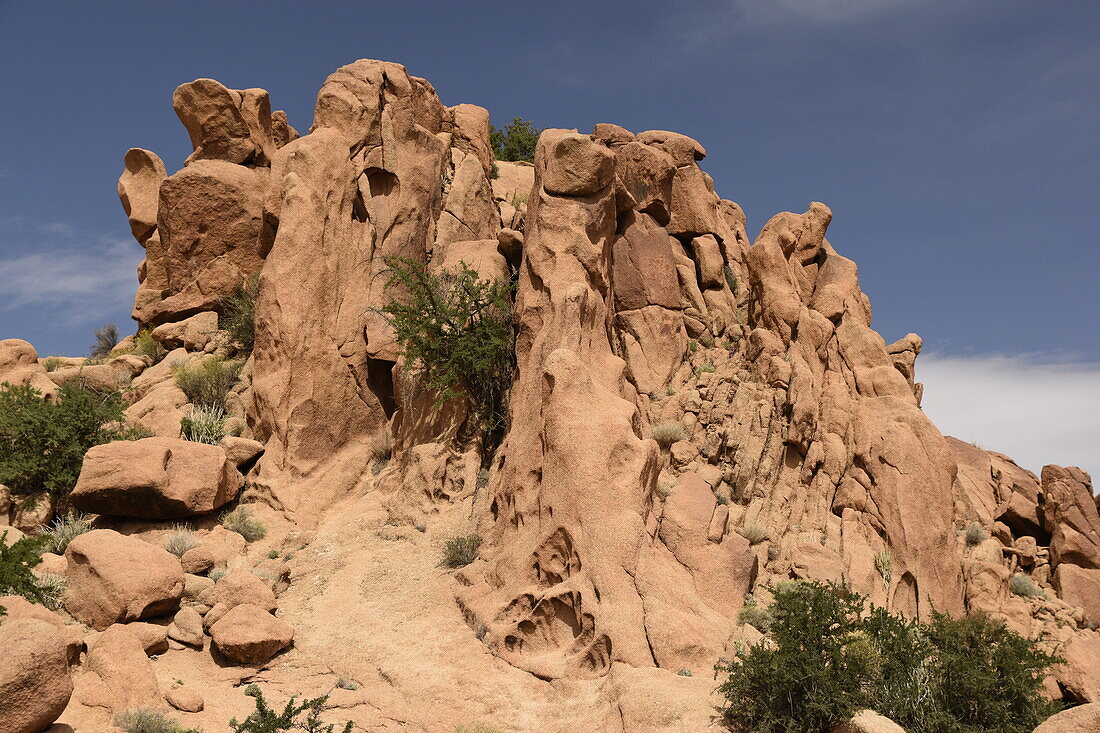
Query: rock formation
[694,418]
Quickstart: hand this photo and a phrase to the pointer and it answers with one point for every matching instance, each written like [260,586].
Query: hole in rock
[380,382]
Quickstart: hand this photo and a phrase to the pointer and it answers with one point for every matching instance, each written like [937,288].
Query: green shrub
[207,383]
[755,615]
[884,564]
[457,330]
[181,540]
[16,576]
[205,424]
[1022,585]
[829,659]
[731,279]
[266,720]
[238,316]
[241,521]
[975,535]
[42,443]
[146,345]
[458,552]
[516,141]
[52,363]
[668,432]
[494,172]
[146,720]
[106,338]
[63,530]
[754,532]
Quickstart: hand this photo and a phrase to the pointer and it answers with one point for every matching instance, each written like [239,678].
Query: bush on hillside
[207,383]
[238,316]
[516,141]
[204,425]
[829,659]
[147,720]
[146,345]
[303,716]
[106,338]
[64,530]
[456,329]
[42,443]
[458,552]
[241,521]
[16,576]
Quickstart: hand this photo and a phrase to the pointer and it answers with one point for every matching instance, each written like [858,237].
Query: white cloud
[1036,409]
[79,278]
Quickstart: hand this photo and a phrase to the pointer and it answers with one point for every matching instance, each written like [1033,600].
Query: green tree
[516,141]
[266,720]
[16,576]
[456,329]
[42,443]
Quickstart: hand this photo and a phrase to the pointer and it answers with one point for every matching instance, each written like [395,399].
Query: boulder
[35,686]
[248,634]
[19,366]
[100,377]
[155,478]
[868,721]
[234,589]
[1071,517]
[1079,676]
[139,191]
[19,607]
[185,699]
[153,637]
[216,550]
[1079,586]
[1080,719]
[186,627]
[10,535]
[115,579]
[241,452]
[225,124]
[117,674]
[192,333]
[575,164]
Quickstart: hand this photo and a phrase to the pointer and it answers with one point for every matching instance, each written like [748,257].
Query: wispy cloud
[79,277]
[1036,409]
[820,11]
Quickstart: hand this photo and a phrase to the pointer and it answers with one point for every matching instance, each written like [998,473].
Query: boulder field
[695,416]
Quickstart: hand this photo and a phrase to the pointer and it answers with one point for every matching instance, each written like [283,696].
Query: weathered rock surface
[18,607]
[192,333]
[117,673]
[155,478]
[34,675]
[1081,719]
[248,634]
[19,366]
[115,579]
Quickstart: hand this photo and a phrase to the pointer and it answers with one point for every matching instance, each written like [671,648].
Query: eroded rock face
[34,675]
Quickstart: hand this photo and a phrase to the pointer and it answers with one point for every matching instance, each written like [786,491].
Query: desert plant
[754,532]
[64,529]
[1022,585]
[494,172]
[731,278]
[42,443]
[52,363]
[975,535]
[381,446]
[205,424]
[476,728]
[884,564]
[265,720]
[346,684]
[106,338]
[147,720]
[241,521]
[516,141]
[668,432]
[146,345]
[456,329]
[828,657]
[180,540]
[52,587]
[217,574]
[458,552]
[756,616]
[238,316]
[16,563]
[207,383]
[664,489]
[707,367]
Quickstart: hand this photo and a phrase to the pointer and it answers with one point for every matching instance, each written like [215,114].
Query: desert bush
[241,521]
[829,658]
[668,432]
[755,615]
[238,317]
[52,363]
[106,338]
[516,141]
[147,720]
[975,535]
[664,489]
[16,563]
[303,716]
[458,552]
[146,345]
[1022,585]
[207,383]
[731,279]
[205,424]
[884,565]
[42,443]
[476,728]
[494,172]
[754,532]
[180,540]
[52,587]
[63,530]
[456,329]
[217,574]
[381,445]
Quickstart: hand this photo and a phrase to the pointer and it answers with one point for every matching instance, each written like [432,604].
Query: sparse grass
[205,424]
[668,432]
[181,540]
[494,172]
[684,672]
[272,554]
[722,499]
[147,720]
[238,316]
[146,345]
[64,529]
[241,521]
[754,532]
[975,535]
[1022,585]
[731,278]
[670,390]
[206,384]
[884,564]
[381,446]
[476,728]
[482,478]
[346,684]
[52,587]
[707,368]
[52,363]
[458,552]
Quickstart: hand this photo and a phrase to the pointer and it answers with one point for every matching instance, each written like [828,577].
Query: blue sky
[955,140]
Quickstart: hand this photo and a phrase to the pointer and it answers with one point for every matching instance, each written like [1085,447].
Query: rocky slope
[792,443]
